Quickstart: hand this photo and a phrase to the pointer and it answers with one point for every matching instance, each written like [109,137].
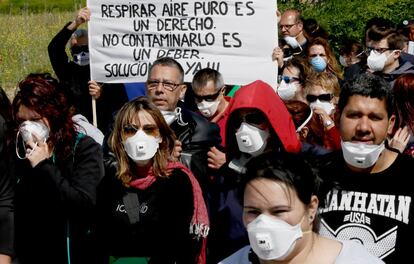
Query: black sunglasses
[322,97]
[255,119]
[208,98]
[287,79]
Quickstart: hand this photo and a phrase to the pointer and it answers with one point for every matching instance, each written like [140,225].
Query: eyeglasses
[287,79]
[208,98]
[288,27]
[255,119]
[322,97]
[377,50]
[131,129]
[169,86]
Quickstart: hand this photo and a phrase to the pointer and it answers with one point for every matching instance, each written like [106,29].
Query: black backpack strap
[132,206]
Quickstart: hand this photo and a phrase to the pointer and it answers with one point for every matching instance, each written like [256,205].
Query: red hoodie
[259,95]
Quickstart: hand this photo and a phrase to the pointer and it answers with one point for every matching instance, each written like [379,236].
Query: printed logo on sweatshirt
[380,246]
[142,209]
[353,215]
[358,203]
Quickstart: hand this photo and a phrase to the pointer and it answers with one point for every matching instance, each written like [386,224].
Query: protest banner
[233,37]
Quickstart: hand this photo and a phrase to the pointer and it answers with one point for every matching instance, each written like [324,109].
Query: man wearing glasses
[209,88]
[196,135]
[384,53]
[291,29]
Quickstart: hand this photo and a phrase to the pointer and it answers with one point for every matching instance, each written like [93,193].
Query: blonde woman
[149,207]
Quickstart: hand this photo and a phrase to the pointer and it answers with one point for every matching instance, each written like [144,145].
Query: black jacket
[197,136]
[6,196]
[164,213]
[74,80]
[54,201]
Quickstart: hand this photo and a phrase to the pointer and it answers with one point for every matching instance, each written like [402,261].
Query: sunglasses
[208,98]
[255,119]
[287,79]
[131,129]
[322,97]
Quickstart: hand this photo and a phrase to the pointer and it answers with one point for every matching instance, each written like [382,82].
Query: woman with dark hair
[308,127]
[280,214]
[6,187]
[292,80]
[58,171]
[150,207]
[314,30]
[321,57]
[353,58]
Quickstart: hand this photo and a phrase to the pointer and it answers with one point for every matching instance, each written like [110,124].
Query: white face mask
[292,42]
[271,238]
[208,109]
[82,58]
[342,61]
[141,147]
[251,139]
[361,155]
[287,91]
[376,62]
[25,131]
[169,116]
[326,106]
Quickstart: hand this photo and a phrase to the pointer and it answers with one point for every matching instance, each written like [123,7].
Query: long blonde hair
[125,116]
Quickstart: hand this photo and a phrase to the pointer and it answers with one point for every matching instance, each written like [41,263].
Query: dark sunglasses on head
[322,97]
[208,98]
[287,79]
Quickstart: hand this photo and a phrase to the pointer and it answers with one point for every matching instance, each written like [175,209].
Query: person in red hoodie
[258,121]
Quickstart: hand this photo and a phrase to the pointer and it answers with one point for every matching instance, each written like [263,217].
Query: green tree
[347,18]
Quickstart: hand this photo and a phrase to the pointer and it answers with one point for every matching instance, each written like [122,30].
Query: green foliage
[23,46]
[347,18]
[37,6]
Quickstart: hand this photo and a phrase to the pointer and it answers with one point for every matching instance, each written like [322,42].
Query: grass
[37,6]
[23,46]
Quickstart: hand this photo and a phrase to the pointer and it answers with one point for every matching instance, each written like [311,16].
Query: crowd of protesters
[312,169]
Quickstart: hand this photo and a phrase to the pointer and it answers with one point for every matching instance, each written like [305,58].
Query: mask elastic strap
[27,155]
[359,54]
[306,121]
[387,146]
[179,117]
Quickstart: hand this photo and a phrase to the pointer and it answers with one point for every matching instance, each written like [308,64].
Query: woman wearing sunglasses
[150,208]
[291,82]
[258,122]
[322,92]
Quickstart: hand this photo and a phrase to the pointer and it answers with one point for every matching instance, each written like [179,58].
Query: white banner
[234,37]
